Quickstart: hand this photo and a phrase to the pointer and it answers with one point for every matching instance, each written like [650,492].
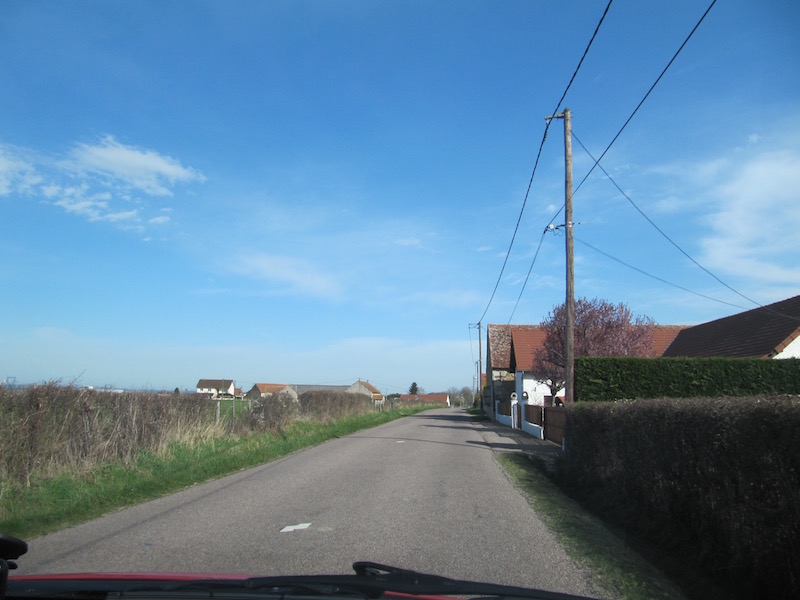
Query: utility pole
[569,342]
[569,367]
[480,366]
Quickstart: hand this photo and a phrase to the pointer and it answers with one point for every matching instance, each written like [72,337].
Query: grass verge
[477,414]
[618,569]
[58,502]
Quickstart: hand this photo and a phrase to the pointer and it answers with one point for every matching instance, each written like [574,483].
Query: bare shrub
[324,406]
[49,428]
[275,412]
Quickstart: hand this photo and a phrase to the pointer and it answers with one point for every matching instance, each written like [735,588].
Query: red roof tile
[525,340]
[271,388]
[663,335]
[500,341]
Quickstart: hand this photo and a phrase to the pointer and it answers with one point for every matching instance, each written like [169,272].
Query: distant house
[265,390]
[367,389]
[500,375]
[216,387]
[771,331]
[443,398]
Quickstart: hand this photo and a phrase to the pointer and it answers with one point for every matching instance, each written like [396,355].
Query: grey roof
[761,332]
[302,389]
[219,384]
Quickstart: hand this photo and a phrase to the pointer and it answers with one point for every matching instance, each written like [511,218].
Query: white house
[216,387]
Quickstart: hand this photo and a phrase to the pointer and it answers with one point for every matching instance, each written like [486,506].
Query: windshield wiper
[374,579]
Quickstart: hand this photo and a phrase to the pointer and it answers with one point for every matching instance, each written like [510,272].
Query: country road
[423,493]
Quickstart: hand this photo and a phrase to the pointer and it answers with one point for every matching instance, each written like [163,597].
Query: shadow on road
[467,444]
[497,445]
[454,417]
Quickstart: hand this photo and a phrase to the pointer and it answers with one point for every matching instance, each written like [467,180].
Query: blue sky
[315,192]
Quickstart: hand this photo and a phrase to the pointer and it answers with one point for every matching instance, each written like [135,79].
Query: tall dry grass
[49,429]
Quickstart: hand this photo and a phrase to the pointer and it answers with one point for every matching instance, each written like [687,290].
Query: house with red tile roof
[510,355]
[499,373]
[367,389]
[771,331]
[265,390]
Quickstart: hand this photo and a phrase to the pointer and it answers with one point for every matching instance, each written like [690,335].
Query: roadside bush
[274,412]
[49,428]
[325,406]
[714,480]
[607,378]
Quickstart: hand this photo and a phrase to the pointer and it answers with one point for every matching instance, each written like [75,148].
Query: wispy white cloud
[98,182]
[123,215]
[143,170]
[755,229]
[16,173]
[289,274]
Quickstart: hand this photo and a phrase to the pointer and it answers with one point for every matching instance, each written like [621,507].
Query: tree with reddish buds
[600,328]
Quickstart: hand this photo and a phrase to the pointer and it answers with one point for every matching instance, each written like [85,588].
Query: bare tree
[468,395]
[601,328]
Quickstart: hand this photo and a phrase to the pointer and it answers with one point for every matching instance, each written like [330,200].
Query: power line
[525,283]
[652,87]
[657,228]
[643,272]
[536,254]
[671,241]
[538,156]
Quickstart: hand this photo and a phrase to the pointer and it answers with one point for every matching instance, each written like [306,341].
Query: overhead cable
[652,87]
[671,241]
[643,272]
[538,156]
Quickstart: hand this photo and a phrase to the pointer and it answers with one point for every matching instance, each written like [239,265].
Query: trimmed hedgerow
[713,480]
[602,379]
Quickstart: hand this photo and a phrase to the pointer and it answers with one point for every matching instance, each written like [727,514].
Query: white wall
[536,389]
[791,351]
[503,420]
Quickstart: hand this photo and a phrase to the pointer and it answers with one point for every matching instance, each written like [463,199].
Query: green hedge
[715,481]
[599,379]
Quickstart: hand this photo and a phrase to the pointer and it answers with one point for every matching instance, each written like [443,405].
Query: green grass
[618,569]
[477,414]
[59,502]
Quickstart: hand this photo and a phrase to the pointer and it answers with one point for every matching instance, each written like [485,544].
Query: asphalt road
[422,493]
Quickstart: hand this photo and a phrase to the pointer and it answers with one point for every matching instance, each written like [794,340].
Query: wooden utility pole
[569,305]
[569,367]
[480,366]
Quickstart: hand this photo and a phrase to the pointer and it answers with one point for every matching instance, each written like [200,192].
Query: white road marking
[290,528]
[401,441]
